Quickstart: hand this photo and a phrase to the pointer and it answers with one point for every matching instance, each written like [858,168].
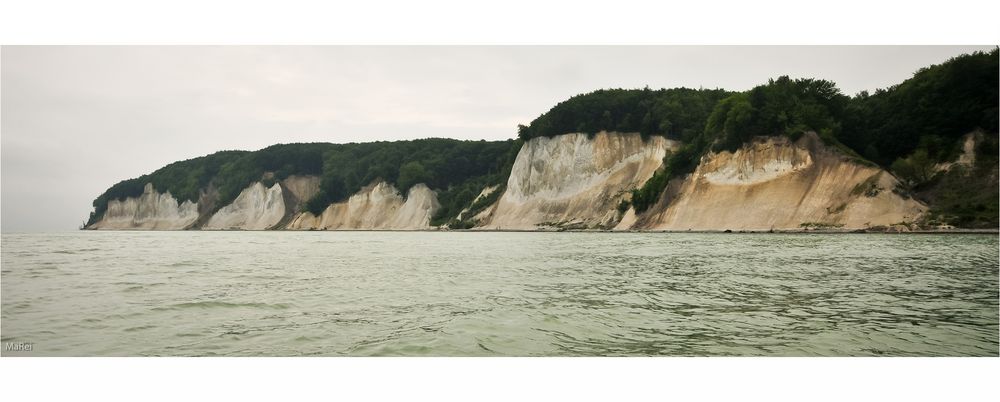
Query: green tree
[410,174]
[914,170]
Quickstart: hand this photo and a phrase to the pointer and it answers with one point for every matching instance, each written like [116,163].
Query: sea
[384,293]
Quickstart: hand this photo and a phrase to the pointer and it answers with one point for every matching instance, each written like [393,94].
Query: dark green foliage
[412,173]
[966,197]
[460,202]
[914,170]
[647,195]
[782,107]
[922,121]
[678,113]
[228,171]
[931,110]
[283,160]
[457,170]
[730,121]
[917,123]
[459,196]
[486,201]
[623,206]
[456,198]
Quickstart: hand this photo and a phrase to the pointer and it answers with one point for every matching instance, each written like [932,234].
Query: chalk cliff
[256,208]
[378,206]
[261,208]
[150,211]
[575,181]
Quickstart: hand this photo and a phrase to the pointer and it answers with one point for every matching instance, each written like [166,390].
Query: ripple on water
[524,294]
[222,304]
[139,328]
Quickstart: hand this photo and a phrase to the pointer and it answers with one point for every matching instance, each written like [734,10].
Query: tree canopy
[931,110]
[677,113]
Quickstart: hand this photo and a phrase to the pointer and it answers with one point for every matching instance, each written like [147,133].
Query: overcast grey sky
[76,120]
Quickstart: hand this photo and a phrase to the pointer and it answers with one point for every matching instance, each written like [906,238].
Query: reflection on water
[522,294]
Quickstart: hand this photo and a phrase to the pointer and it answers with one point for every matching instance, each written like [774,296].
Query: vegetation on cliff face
[965,196]
[781,107]
[183,179]
[913,126]
[907,128]
[457,170]
[930,111]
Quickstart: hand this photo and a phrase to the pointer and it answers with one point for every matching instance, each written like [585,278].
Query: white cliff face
[256,208]
[774,183]
[375,207]
[151,211]
[573,179]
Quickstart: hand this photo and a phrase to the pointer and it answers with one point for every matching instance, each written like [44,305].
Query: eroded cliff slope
[775,183]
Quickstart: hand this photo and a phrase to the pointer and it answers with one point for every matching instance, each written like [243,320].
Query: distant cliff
[386,185]
[579,182]
[151,211]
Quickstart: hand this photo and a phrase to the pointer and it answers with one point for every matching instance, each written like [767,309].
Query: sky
[75,120]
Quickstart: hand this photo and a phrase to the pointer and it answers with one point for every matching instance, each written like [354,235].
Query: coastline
[799,231]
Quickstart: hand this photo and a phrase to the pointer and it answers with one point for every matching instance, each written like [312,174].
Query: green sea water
[498,294]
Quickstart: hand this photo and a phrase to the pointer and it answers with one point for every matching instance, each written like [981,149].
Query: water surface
[512,294]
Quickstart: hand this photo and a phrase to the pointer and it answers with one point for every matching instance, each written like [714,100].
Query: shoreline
[799,231]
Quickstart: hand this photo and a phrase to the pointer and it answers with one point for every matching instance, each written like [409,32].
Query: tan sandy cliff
[775,183]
